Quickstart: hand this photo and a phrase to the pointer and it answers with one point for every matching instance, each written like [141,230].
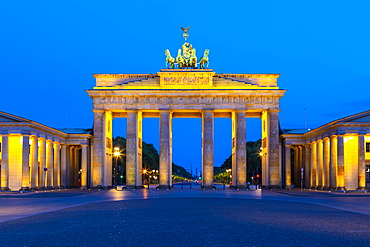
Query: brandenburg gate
[185,92]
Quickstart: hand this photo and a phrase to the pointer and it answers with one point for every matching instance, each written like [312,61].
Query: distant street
[184,217]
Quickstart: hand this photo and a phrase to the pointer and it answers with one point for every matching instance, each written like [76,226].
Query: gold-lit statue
[170,61]
[186,56]
[204,60]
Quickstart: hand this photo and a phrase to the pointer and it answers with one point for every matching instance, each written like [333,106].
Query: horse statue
[180,60]
[204,60]
[193,58]
[170,61]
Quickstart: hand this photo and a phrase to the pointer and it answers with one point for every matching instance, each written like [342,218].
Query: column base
[4,189]
[34,188]
[340,188]
[57,187]
[361,188]
[25,189]
[208,187]
[50,187]
[163,187]
[83,187]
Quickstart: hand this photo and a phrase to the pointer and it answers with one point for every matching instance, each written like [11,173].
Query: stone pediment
[363,117]
[7,118]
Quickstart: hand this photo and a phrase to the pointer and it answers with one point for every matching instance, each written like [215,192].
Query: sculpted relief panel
[186,80]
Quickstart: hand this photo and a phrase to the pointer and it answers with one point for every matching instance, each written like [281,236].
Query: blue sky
[50,49]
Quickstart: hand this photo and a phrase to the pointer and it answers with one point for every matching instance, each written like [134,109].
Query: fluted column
[319,164]
[208,149]
[361,163]
[56,178]
[4,163]
[165,166]
[340,167]
[273,149]
[132,146]
[76,167]
[49,164]
[307,159]
[333,161]
[26,163]
[325,171]
[99,151]
[296,166]
[239,175]
[42,165]
[63,166]
[313,165]
[34,163]
[70,167]
[288,167]
[84,167]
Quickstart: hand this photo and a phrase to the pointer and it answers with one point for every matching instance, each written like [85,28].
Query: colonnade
[134,171]
[134,150]
[30,162]
[331,162]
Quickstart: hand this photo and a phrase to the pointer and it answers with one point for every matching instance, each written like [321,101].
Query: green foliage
[223,177]
[253,159]
[150,158]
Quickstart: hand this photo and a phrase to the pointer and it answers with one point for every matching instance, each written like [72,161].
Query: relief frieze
[186,80]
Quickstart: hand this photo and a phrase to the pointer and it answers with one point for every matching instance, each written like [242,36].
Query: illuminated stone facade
[334,156]
[179,94]
[34,156]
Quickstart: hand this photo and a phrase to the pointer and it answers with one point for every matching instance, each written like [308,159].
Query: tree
[253,159]
[150,158]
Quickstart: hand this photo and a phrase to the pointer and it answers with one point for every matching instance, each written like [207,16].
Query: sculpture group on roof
[186,56]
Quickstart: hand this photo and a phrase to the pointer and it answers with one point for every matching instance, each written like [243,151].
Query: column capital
[98,111]
[208,109]
[84,145]
[333,136]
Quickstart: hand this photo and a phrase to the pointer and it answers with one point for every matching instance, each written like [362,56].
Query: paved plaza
[184,217]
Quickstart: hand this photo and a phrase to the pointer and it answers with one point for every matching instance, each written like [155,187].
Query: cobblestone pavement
[184,218]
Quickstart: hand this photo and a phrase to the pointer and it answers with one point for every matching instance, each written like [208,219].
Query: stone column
[49,164]
[42,165]
[26,163]
[313,165]
[361,163]
[56,179]
[208,149]
[34,163]
[319,164]
[296,167]
[132,150]
[273,149]
[333,162]
[325,171]
[63,167]
[340,167]
[76,169]
[4,163]
[240,173]
[84,167]
[98,149]
[165,166]
[70,167]
[288,167]
[307,160]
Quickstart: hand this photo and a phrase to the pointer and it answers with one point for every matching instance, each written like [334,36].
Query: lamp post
[116,154]
[145,174]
